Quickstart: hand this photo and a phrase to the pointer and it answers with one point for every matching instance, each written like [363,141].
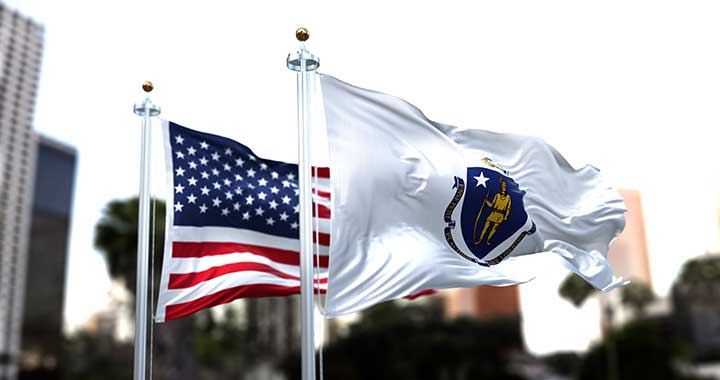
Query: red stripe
[186,280]
[421,293]
[227,295]
[322,194]
[322,211]
[321,172]
[322,239]
[184,249]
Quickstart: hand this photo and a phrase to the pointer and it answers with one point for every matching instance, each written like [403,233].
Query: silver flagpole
[304,62]
[146,109]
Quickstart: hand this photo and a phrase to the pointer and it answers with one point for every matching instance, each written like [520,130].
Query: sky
[631,87]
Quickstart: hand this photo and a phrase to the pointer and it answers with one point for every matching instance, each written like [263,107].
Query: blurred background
[630,87]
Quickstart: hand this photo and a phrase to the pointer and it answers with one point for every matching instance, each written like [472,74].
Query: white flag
[422,205]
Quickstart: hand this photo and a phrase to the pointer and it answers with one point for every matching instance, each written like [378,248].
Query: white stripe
[322,225]
[230,235]
[322,184]
[189,265]
[322,201]
[176,296]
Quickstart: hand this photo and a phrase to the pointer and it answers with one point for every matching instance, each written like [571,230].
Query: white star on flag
[481,179]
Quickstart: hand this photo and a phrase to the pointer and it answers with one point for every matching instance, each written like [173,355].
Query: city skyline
[612,97]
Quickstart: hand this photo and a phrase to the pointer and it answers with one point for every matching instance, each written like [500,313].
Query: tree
[116,237]
[575,289]
[696,309]
[415,342]
[700,279]
[88,356]
[652,350]
[637,295]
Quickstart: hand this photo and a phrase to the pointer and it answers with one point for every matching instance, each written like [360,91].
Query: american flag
[233,226]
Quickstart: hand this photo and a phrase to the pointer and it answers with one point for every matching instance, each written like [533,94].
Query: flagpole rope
[316,255]
[152,284]
[316,264]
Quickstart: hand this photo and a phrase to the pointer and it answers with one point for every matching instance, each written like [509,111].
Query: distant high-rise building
[482,302]
[45,280]
[628,254]
[21,44]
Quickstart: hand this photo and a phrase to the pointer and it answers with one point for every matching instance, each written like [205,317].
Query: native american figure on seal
[500,206]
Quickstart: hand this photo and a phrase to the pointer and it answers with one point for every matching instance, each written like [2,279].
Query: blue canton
[222,183]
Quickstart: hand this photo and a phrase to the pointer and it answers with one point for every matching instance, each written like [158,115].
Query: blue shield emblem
[493,220]
[492,210]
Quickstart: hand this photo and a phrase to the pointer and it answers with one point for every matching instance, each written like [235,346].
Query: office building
[42,320]
[21,44]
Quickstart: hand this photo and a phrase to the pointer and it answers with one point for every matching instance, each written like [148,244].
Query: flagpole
[146,109]
[303,62]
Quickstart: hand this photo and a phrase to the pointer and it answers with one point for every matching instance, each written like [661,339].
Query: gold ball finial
[302,34]
[147,86]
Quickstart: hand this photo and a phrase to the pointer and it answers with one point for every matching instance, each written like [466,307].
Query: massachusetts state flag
[232,224]
[423,205]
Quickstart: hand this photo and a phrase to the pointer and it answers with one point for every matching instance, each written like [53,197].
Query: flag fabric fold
[423,205]
[232,227]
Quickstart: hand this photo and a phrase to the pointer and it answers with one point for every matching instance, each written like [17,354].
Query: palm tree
[116,237]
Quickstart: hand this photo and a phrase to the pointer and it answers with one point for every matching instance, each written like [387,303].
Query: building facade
[482,302]
[629,258]
[42,320]
[21,45]
[628,255]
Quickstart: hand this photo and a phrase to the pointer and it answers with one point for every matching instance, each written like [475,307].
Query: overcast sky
[631,87]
